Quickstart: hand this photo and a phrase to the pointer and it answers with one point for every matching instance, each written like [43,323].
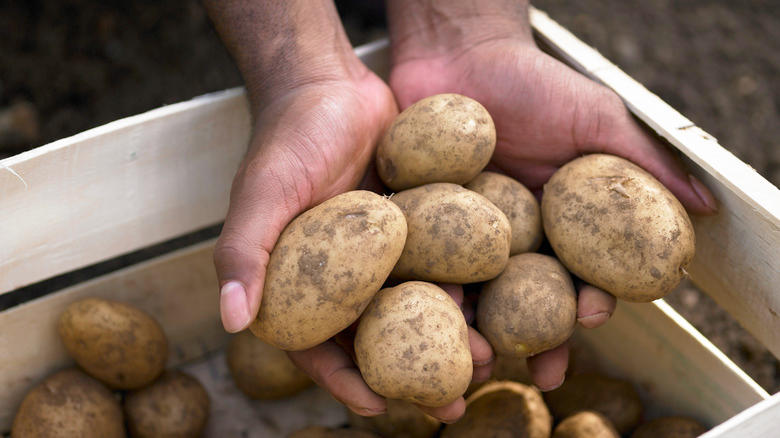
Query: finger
[481,356]
[548,369]
[594,306]
[455,291]
[446,414]
[331,368]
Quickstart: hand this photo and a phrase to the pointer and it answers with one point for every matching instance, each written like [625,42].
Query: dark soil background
[72,65]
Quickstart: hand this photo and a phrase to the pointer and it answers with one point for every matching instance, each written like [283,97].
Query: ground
[69,66]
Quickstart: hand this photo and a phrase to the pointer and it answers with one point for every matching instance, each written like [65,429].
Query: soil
[69,66]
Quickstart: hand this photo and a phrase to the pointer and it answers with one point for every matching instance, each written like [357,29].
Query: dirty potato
[325,268]
[118,344]
[518,204]
[617,227]
[442,138]
[530,308]
[67,404]
[412,344]
[455,235]
[402,420]
[587,424]
[670,427]
[325,432]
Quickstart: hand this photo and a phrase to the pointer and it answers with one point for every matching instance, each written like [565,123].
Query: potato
[402,420]
[615,399]
[670,427]
[324,432]
[412,344]
[442,138]
[455,235]
[327,265]
[262,371]
[616,227]
[67,404]
[175,405]
[116,343]
[518,204]
[531,307]
[586,424]
[503,409]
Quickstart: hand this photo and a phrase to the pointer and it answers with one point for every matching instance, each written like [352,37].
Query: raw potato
[67,404]
[324,432]
[402,420]
[615,399]
[530,308]
[118,344]
[616,227]
[587,424]
[412,344]
[670,427]
[518,204]
[176,405]
[327,265]
[501,409]
[442,138]
[262,371]
[455,235]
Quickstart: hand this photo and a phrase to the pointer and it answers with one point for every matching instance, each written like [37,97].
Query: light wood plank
[180,290]
[761,420]
[738,251]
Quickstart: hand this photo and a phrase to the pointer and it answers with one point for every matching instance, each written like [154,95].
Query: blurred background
[68,66]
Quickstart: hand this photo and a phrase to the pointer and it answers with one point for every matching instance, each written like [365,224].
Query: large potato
[615,226]
[670,427]
[412,344]
[518,204]
[262,371]
[531,307]
[118,344]
[503,409]
[69,404]
[402,420]
[327,265]
[587,424]
[442,138]
[455,235]
[175,405]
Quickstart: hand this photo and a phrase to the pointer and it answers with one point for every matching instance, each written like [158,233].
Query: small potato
[324,432]
[518,204]
[327,265]
[455,235]
[503,409]
[587,424]
[442,138]
[412,344]
[530,308]
[262,371]
[175,405]
[616,227]
[68,404]
[670,427]
[402,420]
[116,343]
[615,399]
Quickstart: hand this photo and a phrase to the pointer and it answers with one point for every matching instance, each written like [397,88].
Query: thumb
[267,193]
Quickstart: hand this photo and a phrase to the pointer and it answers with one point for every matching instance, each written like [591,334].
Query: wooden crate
[144,179]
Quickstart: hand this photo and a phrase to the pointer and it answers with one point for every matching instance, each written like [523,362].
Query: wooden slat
[761,420]
[738,251]
[180,290]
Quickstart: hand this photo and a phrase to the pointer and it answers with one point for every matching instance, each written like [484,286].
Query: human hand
[545,113]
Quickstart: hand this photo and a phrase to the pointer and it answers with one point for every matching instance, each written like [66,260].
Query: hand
[545,114]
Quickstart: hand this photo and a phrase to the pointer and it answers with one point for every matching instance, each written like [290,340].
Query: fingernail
[593,321]
[704,195]
[233,307]
[366,412]
[550,388]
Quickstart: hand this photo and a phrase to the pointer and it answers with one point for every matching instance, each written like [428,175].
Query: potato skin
[324,432]
[617,227]
[670,427]
[66,404]
[530,308]
[503,409]
[455,235]
[412,344]
[118,344]
[442,138]
[262,371]
[586,424]
[518,204]
[327,265]
[175,405]
[402,420]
